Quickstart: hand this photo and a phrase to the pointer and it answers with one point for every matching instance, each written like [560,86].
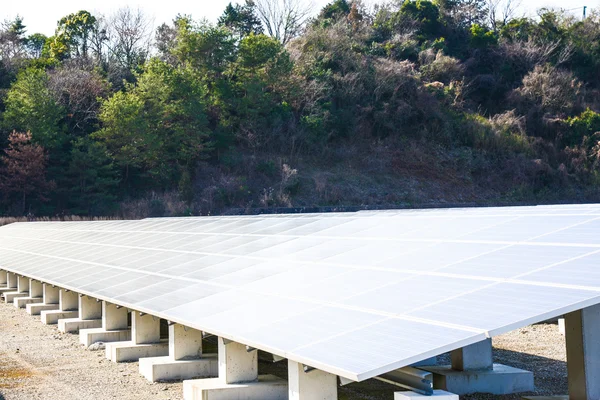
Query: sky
[41,15]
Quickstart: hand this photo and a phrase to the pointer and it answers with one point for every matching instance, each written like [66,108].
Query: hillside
[418,103]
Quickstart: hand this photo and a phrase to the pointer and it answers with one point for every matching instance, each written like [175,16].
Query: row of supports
[233,371]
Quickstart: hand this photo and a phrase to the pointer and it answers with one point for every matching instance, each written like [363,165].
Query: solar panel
[354,294]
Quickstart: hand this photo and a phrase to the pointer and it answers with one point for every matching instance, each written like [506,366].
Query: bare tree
[99,40]
[78,89]
[129,35]
[502,11]
[283,19]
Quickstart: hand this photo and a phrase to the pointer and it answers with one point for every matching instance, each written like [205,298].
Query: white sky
[42,15]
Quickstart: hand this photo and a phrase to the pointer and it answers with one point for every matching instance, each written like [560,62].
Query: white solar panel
[354,294]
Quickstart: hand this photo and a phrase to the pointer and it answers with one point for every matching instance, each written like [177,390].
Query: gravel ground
[38,362]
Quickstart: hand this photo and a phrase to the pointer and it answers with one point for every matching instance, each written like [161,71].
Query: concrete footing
[437,395]
[166,369]
[67,308]
[268,387]
[145,341]
[74,325]
[5,289]
[87,337]
[21,302]
[21,291]
[37,308]
[561,326]
[315,384]
[89,316]
[130,351]
[583,349]
[51,317]
[501,379]
[184,360]
[50,300]
[9,297]
[114,327]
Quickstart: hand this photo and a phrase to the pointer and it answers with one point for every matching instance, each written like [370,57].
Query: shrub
[554,91]
[439,67]
[581,127]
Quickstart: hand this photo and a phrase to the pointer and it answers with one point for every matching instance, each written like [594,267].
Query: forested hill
[418,102]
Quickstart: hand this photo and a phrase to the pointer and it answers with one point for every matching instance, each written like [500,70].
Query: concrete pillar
[477,356]
[35,288]
[68,300]
[11,280]
[89,308]
[561,326]
[236,363]
[113,318]
[184,342]
[144,329]
[21,290]
[583,353]
[22,284]
[50,294]
[3,275]
[312,385]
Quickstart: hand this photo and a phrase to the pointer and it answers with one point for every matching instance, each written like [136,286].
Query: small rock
[97,346]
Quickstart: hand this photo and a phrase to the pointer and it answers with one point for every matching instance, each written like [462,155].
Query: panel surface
[354,294]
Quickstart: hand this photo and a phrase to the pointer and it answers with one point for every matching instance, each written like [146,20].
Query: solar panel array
[354,294]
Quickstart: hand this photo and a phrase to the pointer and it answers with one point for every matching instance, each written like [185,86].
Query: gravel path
[38,362]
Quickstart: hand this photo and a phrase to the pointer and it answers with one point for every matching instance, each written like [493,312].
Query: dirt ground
[38,362]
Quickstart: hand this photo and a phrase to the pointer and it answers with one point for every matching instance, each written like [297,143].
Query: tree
[207,48]
[72,37]
[24,170]
[129,37]
[12,43]
[334,11]
[31,107]
[241,19]
[35,44]
[501,12]
[158,126]
[426,13]
[465,13]
[77,91]
[283,19]
[93,178]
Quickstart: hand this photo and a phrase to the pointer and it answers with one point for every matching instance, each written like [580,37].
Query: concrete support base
[166,369]
[73,325]
[5,289]
[51,317]
[268,387]
[129,351]
[499,380]
[583,350]
[37,308]
[21,302]
[9,297]
[437,395]
[561,326]
[312,385]
[87,337]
